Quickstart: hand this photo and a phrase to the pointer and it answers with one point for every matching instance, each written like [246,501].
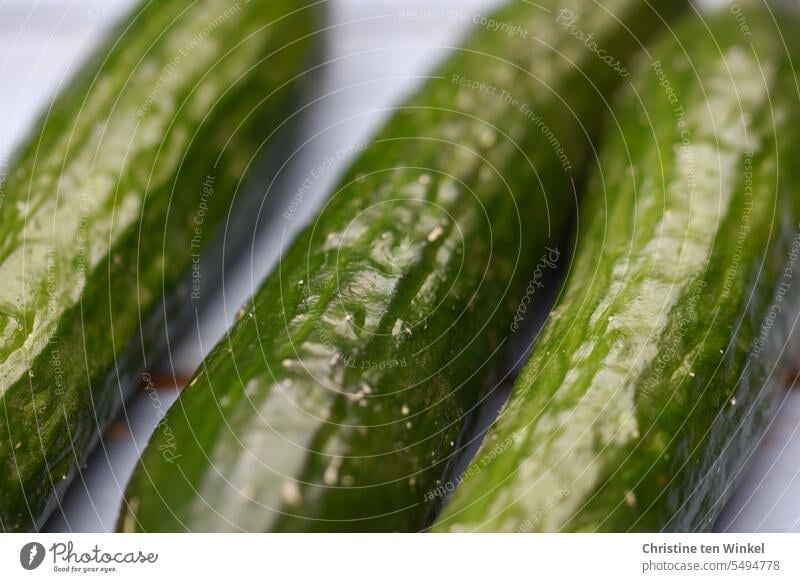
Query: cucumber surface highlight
[105,209]
[659,370]
[338,400]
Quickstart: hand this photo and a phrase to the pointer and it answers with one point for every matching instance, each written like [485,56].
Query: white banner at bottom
[396,557]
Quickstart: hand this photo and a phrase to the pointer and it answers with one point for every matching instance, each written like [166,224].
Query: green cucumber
[124,180]
[658,370]
[337,400]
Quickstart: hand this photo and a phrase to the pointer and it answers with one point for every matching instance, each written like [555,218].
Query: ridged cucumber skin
[123,181]
[336,402]
[650,386]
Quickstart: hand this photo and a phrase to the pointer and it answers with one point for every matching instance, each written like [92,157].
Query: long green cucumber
[657,372]
[337,401]
[107,206]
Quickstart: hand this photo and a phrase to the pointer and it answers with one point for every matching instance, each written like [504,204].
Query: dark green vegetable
[107,206]
[336,402]
[658,371]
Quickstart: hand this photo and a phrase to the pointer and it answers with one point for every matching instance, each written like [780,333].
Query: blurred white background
[377,59]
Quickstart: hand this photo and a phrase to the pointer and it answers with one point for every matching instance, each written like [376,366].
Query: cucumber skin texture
[133,154]
[282,429]
[650,386]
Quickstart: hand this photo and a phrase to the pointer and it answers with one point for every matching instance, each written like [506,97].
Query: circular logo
[31,555]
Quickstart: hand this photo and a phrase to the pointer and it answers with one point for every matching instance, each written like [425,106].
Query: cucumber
[107,206]
[658,370]
[337,400]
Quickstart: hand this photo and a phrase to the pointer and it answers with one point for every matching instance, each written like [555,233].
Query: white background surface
[381,59]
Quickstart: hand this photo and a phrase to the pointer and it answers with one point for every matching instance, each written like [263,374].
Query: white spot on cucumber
[331,474]
[290,492]
[435,234]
